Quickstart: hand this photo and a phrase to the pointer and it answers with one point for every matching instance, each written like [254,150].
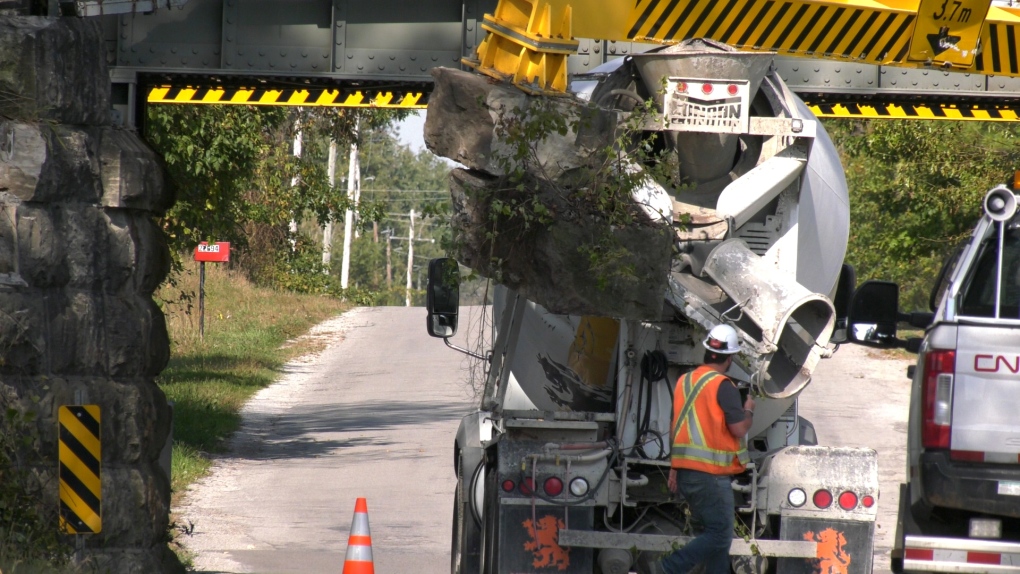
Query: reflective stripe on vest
[695,450]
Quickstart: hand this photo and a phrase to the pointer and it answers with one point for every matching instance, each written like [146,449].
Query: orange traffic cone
[359,545]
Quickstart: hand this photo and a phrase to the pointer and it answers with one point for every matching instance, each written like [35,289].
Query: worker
[709,426]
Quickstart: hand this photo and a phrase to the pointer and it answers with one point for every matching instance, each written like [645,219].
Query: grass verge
[210,379]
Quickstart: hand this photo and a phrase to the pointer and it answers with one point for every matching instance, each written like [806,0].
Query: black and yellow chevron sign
[288,97]
[78,461]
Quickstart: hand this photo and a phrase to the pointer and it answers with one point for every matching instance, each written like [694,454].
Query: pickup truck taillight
[939,369]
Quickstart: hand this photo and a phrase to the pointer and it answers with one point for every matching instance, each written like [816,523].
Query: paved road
[859,397]
[374,416]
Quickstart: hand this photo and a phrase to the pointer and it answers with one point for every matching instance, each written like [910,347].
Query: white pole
[410,259]
[353,174]
[293,183]
[327,230]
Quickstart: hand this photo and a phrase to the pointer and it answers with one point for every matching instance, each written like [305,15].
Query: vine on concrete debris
[598,195]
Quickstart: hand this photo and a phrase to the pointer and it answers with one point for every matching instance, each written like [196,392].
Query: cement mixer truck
[563,467]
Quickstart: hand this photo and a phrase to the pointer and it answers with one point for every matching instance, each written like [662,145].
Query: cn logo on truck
[995,363]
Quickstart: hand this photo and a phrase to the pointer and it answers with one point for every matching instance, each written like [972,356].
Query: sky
[411,130]
[411,133]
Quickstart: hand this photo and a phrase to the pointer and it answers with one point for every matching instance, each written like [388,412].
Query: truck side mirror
[874,310]
[443,301]
[841,302]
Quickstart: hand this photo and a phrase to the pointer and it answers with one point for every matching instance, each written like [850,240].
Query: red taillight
[508,485]
[553,486]
[732,89]
[682,87]
[848,501]
[822,498]
[706,88]
[868,501]
[939,369]
[527,487]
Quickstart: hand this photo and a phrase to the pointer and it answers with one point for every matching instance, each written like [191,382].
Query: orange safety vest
[701,439]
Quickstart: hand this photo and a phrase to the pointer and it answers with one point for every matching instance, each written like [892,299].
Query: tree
[236,179]
[915,192]
[396,180]
[214,155]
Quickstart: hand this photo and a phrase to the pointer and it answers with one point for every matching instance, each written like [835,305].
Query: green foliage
[29,538]
[395,180]
[915,193]
[213,156]
[236,179]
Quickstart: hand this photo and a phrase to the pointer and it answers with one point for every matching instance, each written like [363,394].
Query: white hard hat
[722,339]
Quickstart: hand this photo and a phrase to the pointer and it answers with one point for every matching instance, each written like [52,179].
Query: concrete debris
[551,242]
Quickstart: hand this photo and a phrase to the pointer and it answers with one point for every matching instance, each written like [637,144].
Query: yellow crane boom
[529,40]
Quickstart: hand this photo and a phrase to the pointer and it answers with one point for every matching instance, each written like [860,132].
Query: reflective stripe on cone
[359,545]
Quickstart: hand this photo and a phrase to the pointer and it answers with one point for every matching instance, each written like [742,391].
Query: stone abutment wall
[80,257]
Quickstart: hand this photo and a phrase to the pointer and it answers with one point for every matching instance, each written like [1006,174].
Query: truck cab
[960,505]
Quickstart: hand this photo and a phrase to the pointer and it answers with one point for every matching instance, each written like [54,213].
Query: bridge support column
[80,256]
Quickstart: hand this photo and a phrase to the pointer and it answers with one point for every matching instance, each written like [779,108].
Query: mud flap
[896,556]
[526,549]
[844,546]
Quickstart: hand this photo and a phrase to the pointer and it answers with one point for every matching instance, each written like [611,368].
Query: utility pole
[410,259]
[293,183]
[327,230]
[389,266]
[353,183]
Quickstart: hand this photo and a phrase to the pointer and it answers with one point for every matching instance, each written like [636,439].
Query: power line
[406,190]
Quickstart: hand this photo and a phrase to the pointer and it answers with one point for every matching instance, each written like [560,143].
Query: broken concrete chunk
[552,264]
[527,214]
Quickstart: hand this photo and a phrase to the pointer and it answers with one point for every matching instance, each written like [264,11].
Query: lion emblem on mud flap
[547,552]
[832,555]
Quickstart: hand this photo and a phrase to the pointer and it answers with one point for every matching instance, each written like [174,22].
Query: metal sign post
[218,252]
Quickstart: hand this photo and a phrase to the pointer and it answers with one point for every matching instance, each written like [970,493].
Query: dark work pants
[710,498]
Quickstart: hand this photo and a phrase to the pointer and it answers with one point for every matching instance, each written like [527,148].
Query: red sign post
[218,252]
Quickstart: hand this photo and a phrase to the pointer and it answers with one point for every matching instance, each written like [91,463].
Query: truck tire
[455,538]
[490,524]
[467,533]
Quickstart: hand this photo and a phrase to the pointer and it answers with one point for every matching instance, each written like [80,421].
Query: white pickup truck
[960,506]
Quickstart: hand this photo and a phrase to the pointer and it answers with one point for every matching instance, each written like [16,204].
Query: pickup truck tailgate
[986,393]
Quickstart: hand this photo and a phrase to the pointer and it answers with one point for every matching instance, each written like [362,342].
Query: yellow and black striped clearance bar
[289,97]
[917,111]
